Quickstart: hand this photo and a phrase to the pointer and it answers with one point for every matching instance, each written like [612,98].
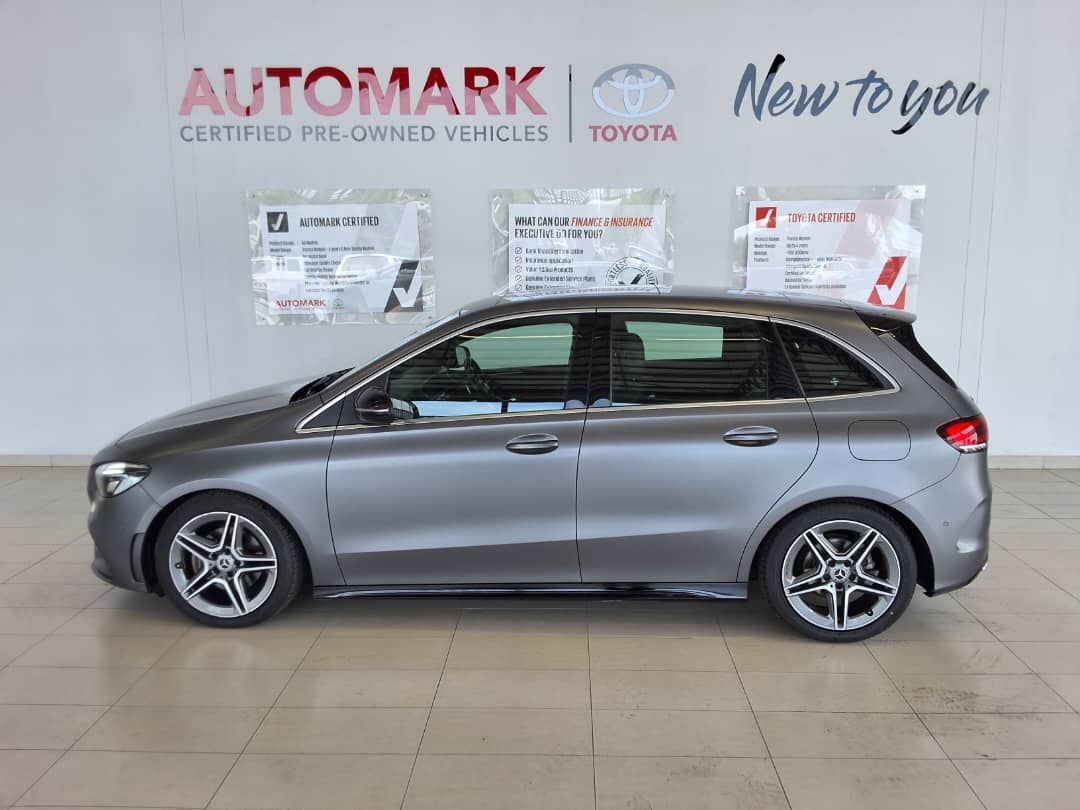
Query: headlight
[118,476]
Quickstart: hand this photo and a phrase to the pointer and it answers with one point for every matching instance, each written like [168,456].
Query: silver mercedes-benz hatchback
[676,444]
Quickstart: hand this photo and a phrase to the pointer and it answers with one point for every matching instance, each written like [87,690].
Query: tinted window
[681,359]
[522,365]
[824,368]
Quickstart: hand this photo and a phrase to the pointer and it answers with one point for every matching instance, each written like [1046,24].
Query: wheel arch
[152,534]
[924,559]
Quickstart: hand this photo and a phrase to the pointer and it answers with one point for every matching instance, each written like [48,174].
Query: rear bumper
[954,517]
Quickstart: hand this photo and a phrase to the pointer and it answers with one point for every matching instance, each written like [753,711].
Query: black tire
[788,534]
[286,547]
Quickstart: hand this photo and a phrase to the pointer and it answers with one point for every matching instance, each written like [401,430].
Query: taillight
[966,435]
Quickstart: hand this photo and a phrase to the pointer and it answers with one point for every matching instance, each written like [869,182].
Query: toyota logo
[633,91]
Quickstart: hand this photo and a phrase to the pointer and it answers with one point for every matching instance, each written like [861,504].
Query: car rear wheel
[840,572]
[227,560]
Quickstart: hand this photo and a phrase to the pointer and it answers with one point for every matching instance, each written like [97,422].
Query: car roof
[718,299]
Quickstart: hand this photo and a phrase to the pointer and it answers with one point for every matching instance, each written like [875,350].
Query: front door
[475,481]
[698,430]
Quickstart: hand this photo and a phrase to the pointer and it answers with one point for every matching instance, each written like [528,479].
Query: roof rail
[637,289]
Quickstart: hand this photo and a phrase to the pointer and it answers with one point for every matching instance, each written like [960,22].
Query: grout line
[592,721]
[431,708]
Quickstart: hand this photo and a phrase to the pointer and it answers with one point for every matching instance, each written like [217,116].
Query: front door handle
[752,436]
[533,444]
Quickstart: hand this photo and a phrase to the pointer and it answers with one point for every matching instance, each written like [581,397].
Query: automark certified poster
[596,244]
[862,250]
[347,262]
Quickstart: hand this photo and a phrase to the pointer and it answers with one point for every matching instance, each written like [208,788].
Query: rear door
[696,428]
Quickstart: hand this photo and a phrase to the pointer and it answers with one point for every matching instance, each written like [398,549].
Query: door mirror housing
[373,407]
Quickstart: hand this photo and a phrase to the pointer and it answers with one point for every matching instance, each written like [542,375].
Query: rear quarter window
[826,369]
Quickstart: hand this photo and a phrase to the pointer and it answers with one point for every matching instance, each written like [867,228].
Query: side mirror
[373,407]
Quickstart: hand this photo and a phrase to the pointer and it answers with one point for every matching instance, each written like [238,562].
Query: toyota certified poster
[333,260]
[861,250]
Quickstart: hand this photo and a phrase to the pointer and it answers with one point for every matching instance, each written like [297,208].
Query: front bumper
[117,526]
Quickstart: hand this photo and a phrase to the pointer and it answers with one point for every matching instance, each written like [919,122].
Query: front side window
[509,367]
[826,369]
[666,359]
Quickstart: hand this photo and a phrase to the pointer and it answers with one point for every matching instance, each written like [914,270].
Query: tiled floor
[109,698]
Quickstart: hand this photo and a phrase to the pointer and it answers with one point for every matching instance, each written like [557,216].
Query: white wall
[126,273]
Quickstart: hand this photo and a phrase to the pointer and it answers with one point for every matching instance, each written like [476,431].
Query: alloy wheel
[841,575]
[223,564]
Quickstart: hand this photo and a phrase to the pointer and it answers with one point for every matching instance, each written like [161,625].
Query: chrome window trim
[622,309]
[859,354]
[301,425]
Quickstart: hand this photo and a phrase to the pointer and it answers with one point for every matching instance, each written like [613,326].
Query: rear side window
[824,368]
[683,359]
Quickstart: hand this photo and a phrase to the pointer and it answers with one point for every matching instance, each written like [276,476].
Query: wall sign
[349,256]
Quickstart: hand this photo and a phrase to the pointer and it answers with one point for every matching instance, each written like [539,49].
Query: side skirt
[655,590]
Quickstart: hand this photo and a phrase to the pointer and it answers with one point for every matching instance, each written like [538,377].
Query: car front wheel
[227,560]
[840,572]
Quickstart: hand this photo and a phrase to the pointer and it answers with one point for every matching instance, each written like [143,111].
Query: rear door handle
[533,444]
[752,436]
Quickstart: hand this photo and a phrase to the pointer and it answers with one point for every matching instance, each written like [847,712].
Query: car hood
[242,403]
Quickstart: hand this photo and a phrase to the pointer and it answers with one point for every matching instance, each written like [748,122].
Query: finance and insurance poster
[336,262]
[600,243]
[861,250]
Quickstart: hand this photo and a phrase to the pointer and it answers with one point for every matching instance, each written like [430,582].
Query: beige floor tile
[98,622]
[533,622]
[1005,736]
[823,692]
[370,687]
[799,655]
[933,626]
[60,596]
[232,650]
[660,652]
[645,689]
[63,573]
[487,782]
[11,647]
[393,624]
[26,555]
[978,694]
[68,686]
[80,552]
[46,727]
[921,657]
[988,603]
[681,783]
[1004,574]
[1008,784]
[1049,657]
[508,731]
[11,569]
[665,733]
[1015,510]
[113,777]
[319,782]
[514,688]
[340,731]
[1043,541]
[1010,627]
[217,730]
[637,622]
[1030,525]
[1068,686]
[95,651]
[207,687]
[374,652]
[518,651]
[33,621]
[886,784]
[839,735]
[1041,498]
[42,535]
[20,769]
